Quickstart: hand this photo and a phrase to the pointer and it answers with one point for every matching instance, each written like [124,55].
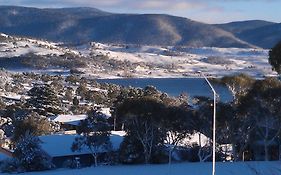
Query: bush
[30,156]
[131,151]
[189,154]
[161,155]
[11,165]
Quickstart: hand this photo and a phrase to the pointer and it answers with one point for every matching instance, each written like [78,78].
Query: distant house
[13,98]
[70,122]
[59,148]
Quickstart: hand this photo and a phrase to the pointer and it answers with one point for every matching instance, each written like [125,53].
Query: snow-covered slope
[156,61]
[11,46]
[140,61]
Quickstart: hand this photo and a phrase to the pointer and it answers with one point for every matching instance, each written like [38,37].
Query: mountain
[264,34]
[242,26]
[79,25]
[265,37]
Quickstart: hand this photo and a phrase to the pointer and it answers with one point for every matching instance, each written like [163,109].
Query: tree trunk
[96,159]
[234,153]
[146,156]
[266,156]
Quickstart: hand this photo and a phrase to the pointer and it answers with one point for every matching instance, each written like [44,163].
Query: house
[70,122]
[59,148]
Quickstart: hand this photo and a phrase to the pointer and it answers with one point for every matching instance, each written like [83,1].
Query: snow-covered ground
[16,46]
[227,168]
[148,61]
[157,61]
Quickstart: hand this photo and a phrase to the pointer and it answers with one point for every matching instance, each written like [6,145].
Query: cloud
[146,4]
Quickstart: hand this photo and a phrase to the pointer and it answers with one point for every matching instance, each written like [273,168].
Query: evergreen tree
[44,100]
[275,57]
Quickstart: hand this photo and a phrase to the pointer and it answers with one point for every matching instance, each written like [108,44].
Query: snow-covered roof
[195,139]
[15,97]
[60,145]
[106,111]
[3,156]
[70,119]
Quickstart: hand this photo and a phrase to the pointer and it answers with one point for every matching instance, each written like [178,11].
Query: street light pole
[214,124]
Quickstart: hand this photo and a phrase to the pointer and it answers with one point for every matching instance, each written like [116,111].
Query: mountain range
[81,25]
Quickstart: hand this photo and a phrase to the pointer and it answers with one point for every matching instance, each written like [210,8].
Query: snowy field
[148,61]
[240,168]
[157,61]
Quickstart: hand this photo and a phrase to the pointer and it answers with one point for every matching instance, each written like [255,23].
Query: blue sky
[209,11]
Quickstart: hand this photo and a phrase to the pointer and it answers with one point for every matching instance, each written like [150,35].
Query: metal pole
[214,125]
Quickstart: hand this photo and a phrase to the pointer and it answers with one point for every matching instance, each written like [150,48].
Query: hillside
[18,53]
[238,27]
[265,37]
[80,25]
[264,34]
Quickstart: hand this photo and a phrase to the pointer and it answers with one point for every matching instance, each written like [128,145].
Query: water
[175,86]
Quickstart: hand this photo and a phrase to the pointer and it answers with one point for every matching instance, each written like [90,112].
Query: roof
[106,112]
[70,119]
[5,153]
[3,156]
[60,145]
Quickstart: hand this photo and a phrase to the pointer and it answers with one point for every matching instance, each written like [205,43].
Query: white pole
[214,125]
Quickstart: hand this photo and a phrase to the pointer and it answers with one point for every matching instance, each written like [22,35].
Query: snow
[195,139]
[70,119]
[4,35]
[222,168]
[60,144]
[15,97]
[154,62]
[16,46]
[106,112]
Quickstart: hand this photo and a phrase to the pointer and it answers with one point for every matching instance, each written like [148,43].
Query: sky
[208,11]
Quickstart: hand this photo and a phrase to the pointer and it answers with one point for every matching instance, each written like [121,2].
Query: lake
[175,86]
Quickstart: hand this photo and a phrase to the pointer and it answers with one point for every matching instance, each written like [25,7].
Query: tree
[44,100]
[69,94]
[141,118]
[203,125]
[82,90]
[75,101]
[32,123]
[29,154]
[178,123]
[94,134]
[238,85]
[262,107]
[275,57]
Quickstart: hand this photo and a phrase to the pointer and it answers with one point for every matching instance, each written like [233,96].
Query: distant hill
[242,26]
[264,34]
[79,25]
[265,37]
